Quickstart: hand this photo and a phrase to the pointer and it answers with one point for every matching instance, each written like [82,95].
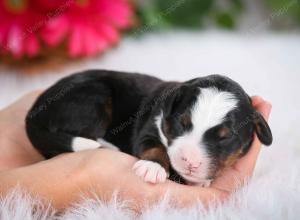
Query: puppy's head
[207,124]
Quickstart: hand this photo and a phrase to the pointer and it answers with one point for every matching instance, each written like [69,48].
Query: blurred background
[255,42]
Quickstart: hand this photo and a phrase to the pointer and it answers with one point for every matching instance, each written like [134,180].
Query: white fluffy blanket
[267,65]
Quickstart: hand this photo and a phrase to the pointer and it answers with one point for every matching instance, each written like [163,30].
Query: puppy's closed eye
[224,133]
[219,133]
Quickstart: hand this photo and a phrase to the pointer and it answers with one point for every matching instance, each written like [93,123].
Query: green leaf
[225,20]
[184,13]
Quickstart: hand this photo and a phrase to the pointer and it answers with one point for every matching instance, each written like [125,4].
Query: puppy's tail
[50,144]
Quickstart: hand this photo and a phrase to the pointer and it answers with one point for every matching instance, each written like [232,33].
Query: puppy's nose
[190,165]
[190,159]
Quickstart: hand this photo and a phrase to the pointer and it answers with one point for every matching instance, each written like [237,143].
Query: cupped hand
[101,171]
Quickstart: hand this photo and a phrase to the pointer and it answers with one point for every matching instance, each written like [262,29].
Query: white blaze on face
[209,110]
[158,122]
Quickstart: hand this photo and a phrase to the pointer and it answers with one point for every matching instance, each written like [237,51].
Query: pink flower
[16,37]
[89,26]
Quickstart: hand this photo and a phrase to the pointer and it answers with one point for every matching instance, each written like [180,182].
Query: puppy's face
[208,126]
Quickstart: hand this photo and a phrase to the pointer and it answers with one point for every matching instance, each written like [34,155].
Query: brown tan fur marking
[228,162]
[157,154]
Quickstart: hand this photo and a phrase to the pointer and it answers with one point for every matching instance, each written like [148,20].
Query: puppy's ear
[178,100]
[172,102]
[262,129]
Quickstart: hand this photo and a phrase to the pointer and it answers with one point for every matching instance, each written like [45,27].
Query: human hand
[16,150]
[97,170]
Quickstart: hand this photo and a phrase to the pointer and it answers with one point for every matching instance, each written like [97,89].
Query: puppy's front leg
[153,166]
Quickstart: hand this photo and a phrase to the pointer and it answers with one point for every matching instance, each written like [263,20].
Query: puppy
[187,131]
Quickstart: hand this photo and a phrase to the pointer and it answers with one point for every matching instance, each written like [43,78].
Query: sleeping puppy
[186,131]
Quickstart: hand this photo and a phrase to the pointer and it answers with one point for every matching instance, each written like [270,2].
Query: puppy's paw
[150,172]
